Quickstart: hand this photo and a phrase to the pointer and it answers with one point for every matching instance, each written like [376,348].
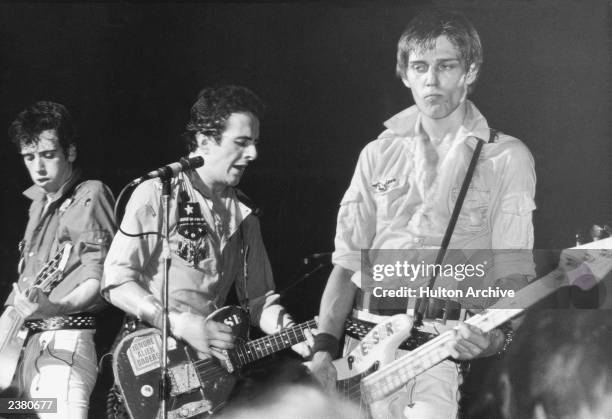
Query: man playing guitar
[401,198]
[59,359]
[215,238]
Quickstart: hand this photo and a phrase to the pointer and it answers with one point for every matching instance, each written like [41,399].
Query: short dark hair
[423,30]
[561,361]
[213,107]
[39,117]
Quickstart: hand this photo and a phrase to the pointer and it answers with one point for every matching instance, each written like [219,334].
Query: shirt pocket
[389,198]
[473,217]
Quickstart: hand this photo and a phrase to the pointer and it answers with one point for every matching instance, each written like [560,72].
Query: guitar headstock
[587,264]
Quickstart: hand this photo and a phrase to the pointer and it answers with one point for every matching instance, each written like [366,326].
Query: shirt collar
[36,193]
[199,185]
[407,123]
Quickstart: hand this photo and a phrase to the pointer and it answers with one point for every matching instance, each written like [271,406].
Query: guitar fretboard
[267,345]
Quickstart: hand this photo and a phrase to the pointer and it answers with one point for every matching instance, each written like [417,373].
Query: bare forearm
[337,301]
[127,297]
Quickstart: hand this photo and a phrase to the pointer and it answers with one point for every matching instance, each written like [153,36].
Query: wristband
[327,343]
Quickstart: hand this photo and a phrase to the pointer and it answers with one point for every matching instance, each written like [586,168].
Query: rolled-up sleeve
[91,222]
[356,223]
[129,253]
[512,225]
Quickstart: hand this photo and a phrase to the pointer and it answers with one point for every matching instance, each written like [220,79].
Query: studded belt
[70,321]
[357,329]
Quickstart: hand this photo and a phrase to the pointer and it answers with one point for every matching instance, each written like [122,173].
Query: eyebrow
[39,152]
[245,137]
[441,60]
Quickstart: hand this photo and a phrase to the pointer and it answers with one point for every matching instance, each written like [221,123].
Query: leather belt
[70,321]
[357,329]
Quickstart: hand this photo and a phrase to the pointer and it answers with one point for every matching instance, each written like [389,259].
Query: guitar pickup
[183,378]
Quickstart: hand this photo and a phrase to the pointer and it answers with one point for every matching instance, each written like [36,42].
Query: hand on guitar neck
[470,342]
[36,304]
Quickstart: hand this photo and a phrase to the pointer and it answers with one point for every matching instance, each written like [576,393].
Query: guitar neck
[256,349]
[392,376]
[48,277]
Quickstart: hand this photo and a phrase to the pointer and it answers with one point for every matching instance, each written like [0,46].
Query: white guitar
[12,332]
[596,262]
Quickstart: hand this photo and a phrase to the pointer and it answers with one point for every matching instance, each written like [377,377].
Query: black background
[130,71]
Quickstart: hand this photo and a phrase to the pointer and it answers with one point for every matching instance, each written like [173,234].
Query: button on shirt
[401,196]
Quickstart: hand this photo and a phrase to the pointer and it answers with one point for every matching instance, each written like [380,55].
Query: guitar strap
[421,304]
[244,253]
[68,194]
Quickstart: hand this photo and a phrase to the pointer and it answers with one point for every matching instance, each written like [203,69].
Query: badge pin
[382,186]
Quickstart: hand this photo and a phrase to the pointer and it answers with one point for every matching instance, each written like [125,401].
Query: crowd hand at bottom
[208,337]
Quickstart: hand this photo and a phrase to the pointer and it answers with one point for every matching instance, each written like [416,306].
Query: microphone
[171,170]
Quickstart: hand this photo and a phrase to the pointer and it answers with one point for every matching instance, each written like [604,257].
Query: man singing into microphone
[214,234]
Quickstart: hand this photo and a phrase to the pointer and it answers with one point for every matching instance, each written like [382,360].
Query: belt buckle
[440,311]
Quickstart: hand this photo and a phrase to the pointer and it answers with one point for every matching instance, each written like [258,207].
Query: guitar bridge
[183,378]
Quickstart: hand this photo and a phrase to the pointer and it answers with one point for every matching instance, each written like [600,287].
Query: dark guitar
[196,386]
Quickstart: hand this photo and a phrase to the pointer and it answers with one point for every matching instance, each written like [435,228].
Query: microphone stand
[165,201]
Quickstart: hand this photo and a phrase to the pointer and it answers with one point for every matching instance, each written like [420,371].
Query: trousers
[60,364]
[433,394]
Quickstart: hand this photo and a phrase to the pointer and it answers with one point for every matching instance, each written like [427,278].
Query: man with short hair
[59,360]
[402,195]
[215,236]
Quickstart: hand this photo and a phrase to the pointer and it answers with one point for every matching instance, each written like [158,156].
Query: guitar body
[12,340]
[196,386]
[378,346]
[376,349]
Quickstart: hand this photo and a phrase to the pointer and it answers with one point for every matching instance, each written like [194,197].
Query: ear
[406,82]
[72,153]
[472,74]
[204,142]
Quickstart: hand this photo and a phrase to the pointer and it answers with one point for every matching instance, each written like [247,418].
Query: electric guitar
[594,264]
[12,332]
[196,386]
